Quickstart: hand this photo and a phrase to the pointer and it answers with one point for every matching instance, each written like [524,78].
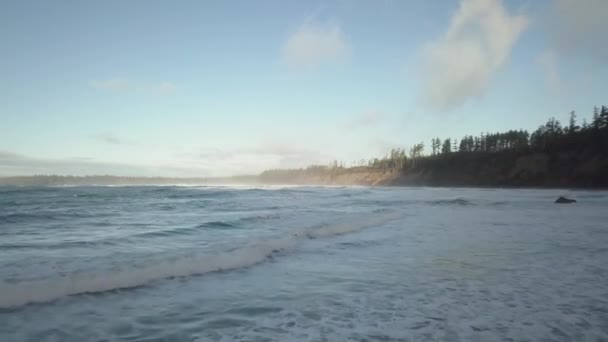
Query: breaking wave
[39,291]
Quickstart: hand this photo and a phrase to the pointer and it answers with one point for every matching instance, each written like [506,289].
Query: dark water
[302,264]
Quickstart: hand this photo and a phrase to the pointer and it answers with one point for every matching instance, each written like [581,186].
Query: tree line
[549,137]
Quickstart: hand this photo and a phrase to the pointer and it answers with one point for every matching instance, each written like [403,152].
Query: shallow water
[302,264]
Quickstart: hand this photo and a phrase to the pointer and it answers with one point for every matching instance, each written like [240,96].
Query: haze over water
[301,264]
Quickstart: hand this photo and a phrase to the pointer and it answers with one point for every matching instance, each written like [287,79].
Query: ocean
[230,263]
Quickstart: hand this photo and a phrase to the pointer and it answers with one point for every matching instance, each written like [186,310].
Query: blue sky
[205,88]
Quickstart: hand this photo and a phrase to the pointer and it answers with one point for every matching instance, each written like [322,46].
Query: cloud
[123,85]
[111,139]
[255,159]
[314,44]
[382,147]
[288,155]
[12,164]
[114,85]
[165,87]
[579,27]
[365,119]
[478,41]
[549,62]
[208,162]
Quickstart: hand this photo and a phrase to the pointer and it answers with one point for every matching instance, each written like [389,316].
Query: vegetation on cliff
[552,155]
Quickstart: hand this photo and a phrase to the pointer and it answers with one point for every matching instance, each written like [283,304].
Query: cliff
[508,168]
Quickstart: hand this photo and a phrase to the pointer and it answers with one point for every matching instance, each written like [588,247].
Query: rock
[563,199]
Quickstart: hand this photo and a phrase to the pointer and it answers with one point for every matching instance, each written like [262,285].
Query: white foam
[21,293]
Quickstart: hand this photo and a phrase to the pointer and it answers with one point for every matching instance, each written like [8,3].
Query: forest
[555,154]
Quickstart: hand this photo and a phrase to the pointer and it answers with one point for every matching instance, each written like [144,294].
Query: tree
[596,118]
[447,146]
[463,144]
[433,146]
[436,146]
[603,118]
[572,127]
[415,153]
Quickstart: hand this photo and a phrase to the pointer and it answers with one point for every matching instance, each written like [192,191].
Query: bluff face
[551,156]
[511,169]
[508,168]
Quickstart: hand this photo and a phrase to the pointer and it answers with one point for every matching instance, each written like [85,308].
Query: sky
[215,88]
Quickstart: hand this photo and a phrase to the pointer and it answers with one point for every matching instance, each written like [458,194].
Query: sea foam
[45,290]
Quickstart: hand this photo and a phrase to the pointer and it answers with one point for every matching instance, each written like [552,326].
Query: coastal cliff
[532,169]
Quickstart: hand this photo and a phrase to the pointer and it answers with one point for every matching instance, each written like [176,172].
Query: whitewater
[230,263]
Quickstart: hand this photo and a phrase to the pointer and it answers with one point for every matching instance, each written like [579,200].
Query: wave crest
[22,293]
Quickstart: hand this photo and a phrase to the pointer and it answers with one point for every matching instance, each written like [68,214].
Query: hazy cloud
[365,119]
[111,139]
[121,85]
[549,63]
[115,85]
[382,146]
[314,44]
[12,164]
[478,41]
[579,27]
[253,160]
[287,155]
[165,87]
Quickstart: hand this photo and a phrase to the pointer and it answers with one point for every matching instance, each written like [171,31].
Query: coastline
[346,179]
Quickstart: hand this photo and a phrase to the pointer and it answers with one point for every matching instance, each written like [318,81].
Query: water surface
[302,264]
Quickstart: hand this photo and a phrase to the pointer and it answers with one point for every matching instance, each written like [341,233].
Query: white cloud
[477,43]
[548,60]
[314,44]
[121,85]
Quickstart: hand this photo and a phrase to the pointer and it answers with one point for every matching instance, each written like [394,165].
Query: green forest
[550,137]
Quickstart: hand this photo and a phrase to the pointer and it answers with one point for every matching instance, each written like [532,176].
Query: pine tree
[596,118]
[603,118]
[572,127]
[447,146]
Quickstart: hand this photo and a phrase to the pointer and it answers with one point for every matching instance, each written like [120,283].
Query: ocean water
[178,263]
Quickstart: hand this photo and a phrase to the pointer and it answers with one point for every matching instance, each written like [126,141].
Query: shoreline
[309,184]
